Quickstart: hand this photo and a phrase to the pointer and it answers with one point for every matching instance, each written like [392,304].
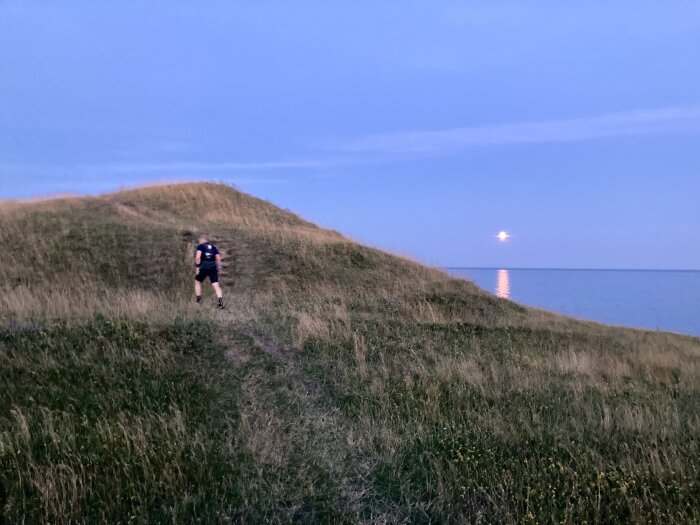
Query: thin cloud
[631,123]
[155,167]
[211,166]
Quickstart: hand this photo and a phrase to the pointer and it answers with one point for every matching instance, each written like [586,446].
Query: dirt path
[311,426]
[307,424]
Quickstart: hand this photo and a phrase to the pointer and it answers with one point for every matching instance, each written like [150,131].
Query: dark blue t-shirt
[209,253]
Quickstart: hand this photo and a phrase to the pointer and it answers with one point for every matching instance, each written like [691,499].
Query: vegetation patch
[341,385]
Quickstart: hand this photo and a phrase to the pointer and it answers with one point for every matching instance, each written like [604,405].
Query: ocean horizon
[652,299]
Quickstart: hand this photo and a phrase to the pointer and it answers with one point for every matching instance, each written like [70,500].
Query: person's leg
[198,288]
[217,287]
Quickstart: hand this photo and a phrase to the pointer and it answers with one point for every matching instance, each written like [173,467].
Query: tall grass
[343,384]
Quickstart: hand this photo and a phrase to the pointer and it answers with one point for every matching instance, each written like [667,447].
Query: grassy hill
[342,384]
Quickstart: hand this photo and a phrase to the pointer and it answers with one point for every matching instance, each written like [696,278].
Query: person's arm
[198,259]
[218,261]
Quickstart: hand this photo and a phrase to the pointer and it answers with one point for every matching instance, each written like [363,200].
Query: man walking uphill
[208,261]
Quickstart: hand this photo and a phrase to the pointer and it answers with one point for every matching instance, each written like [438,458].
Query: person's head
[203,237]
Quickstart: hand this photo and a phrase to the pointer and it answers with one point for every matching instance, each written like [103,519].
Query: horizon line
[570,269]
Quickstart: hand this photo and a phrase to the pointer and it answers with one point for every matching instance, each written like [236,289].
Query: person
[208,262]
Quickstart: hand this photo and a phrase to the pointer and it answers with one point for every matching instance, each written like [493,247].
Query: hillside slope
[342,384]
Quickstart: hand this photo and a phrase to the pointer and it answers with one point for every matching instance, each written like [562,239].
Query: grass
[342,384]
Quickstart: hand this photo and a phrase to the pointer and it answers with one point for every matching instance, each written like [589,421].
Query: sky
[424,127]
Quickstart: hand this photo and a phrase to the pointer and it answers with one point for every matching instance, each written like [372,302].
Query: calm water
[666,300]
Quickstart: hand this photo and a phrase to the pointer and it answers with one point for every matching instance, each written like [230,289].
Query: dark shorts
[212,273]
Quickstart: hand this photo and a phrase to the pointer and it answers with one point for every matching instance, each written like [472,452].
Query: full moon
[503,235]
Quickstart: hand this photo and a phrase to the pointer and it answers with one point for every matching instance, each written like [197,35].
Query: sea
[651,299]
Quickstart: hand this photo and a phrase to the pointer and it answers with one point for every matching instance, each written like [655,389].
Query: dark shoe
[221,304]
[199,299]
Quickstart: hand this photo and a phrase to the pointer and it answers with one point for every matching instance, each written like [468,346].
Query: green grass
[342,384]
[124,422]
[114,420]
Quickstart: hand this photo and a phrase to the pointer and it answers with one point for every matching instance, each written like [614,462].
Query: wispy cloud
[176,167]
[209,166]
[630,123]
[374,148]
[91,178]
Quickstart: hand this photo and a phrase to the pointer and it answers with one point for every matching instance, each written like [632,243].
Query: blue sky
[421,127]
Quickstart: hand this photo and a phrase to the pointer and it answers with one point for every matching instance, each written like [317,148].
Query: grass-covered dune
[342,384]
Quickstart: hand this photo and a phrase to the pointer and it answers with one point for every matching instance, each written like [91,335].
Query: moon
[503,236]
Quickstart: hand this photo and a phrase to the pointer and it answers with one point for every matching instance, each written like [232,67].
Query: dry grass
[383,391]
